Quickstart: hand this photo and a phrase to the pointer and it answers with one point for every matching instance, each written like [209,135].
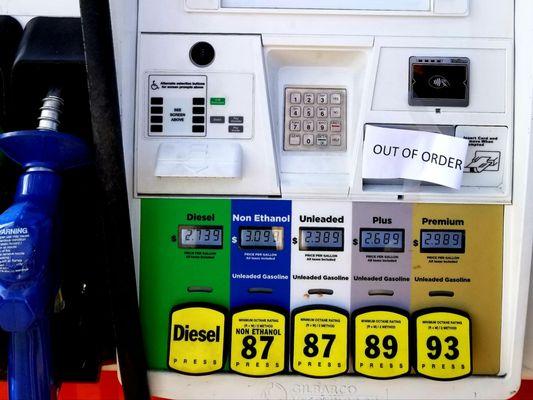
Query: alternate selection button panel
[176,105]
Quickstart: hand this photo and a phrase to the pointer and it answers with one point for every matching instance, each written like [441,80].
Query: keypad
[315,119]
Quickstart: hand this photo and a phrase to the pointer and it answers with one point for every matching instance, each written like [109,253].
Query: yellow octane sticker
[443,345]
[320,343]
[258,340]
[196,340]
[381,344]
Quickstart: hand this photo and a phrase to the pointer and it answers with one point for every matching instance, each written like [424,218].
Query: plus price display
[200,237]
[443,340]
[381,240]
[320,341]
[326,239]
[381,342]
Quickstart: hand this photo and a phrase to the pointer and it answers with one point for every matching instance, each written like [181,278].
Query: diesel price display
[200,237]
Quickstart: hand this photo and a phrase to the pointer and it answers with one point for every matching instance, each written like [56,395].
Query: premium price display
[200,237]
[329,239]
[261,238]
[381,240]
[442,241]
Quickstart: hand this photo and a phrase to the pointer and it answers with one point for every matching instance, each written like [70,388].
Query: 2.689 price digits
[389,344]
[434,346]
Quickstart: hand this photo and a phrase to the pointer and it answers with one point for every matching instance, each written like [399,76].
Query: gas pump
[331,195]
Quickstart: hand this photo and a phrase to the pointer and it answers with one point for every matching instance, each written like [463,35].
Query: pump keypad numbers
[315,119]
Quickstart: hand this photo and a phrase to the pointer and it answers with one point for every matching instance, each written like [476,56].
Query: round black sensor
[202,54]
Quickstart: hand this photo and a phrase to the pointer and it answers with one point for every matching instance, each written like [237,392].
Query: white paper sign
[425,156]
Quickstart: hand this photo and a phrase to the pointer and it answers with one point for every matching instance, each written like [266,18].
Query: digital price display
[381,240]
[261,238]
[200,237]
[316,239]
[442,241]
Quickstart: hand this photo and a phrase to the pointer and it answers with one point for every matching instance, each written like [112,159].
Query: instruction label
[258,342]
[320,342]
[443,345]
[15,246]
[381,343]
[425,156]
[196,340]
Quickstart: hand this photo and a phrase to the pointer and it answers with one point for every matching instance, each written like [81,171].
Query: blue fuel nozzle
[28,278]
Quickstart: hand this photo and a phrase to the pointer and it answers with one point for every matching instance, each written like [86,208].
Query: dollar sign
[294,240]
[234,239]
[355,242]
[415,243]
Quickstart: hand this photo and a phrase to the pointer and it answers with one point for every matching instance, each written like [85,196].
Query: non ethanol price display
[200,237]
[316,239]
[262,238]
[442,241]
[381,240]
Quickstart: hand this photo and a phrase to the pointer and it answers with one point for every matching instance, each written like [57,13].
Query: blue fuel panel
[260,253]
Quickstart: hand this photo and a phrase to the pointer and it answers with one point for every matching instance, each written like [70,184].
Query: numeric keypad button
[322,98]
[295,112]
[309,126]
[322,126]
[309,139]
[295,98]
[309,98]
[309,112]
[295,125]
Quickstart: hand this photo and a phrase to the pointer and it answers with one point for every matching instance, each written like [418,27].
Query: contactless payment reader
[329,195]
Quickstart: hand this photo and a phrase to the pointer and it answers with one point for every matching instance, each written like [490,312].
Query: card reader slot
[328,292]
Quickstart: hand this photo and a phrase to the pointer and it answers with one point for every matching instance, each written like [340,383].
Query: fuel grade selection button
[443,343]
[381,342]
[197,338]
[259,341]
[319,341]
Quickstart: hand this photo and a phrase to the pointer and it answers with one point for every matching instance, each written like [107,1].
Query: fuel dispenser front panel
[344,180]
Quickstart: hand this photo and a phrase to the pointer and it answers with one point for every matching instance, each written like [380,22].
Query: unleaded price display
[322,239]
[259,342]
[381,342]
[443,342]
[197,337]
[319,341]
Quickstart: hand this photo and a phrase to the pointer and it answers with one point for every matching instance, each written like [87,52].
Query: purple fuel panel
[381,263]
